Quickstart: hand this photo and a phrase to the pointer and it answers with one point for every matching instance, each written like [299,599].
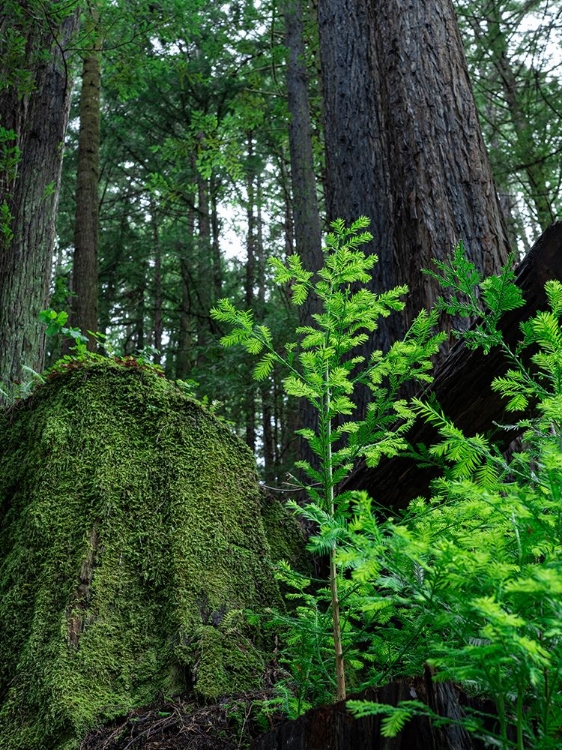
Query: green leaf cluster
[471,296]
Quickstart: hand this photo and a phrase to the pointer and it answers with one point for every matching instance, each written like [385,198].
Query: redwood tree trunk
[403,143]
[306,218]
[36,119]
[84,305]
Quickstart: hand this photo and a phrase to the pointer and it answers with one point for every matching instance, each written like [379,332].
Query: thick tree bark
[37,119]
[84,302]
[462,385]
[403,143]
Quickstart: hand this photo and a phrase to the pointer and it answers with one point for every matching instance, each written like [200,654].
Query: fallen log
[462,385]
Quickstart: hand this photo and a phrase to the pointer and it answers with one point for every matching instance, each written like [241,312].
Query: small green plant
[56,326]
[24,388]
[323,368]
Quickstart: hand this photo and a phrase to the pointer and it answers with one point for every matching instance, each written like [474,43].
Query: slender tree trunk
[184,358]
[204,268]
[215,241]
[108,278]
[187,255]
[34,122]
[141,308]
[288,224]
[403,143]
[268,449]
[158,298]
[84,304]
[306,218]
[260,248]
[249,285]
[530,165]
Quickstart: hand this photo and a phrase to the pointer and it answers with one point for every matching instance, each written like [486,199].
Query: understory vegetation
[466,582]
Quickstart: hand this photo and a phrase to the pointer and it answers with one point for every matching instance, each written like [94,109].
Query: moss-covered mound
[131,537]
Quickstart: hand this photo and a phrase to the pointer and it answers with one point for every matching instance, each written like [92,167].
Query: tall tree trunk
[403,143]
[215,240]
[34,121]
[288,224]
[204,268]
[140,295]
[84,305]
[250,406]
[303,180]
[308,234]
[187,255]
[184,358]
[158,296]
[268,450]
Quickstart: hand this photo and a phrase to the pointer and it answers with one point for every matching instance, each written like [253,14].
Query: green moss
[226,659]
[284,534]
[130,533]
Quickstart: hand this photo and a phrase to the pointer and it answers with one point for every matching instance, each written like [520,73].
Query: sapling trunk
[335,603]
[323,373]
[340,665]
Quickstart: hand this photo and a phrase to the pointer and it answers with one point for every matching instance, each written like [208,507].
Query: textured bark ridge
[462,384]
[133,535]
[79,603]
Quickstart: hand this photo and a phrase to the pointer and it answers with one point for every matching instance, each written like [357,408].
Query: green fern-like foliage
[471,579]
[323,367]
[468,580]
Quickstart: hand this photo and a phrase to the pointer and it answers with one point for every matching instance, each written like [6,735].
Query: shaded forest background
[203,138]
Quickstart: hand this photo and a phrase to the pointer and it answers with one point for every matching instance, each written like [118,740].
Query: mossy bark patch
[131,534]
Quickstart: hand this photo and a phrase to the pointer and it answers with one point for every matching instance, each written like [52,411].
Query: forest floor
[182,725]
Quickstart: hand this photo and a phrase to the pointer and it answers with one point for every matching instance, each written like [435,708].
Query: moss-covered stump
[131,537]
